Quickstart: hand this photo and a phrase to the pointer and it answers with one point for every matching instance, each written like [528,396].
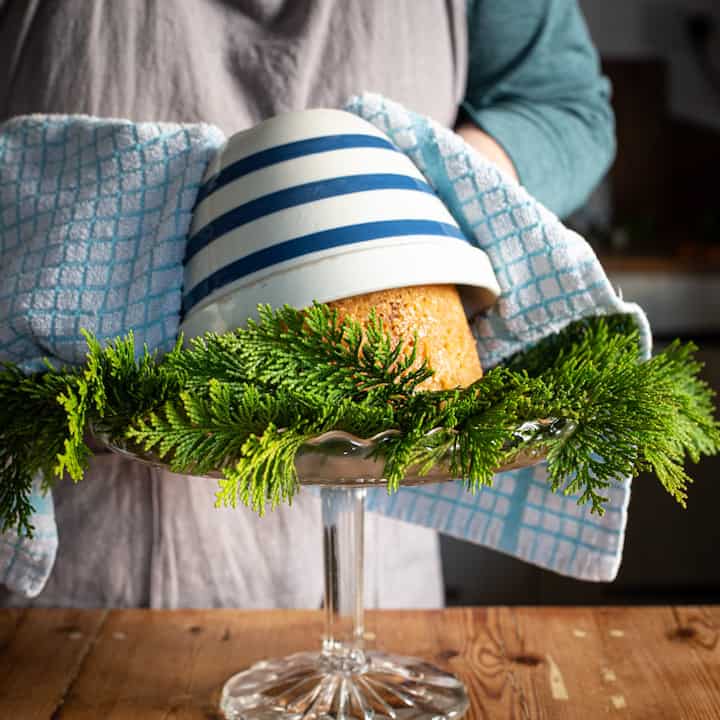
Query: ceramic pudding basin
[318,205]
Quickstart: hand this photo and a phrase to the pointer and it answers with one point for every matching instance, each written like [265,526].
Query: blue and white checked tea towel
[549,276]
[94,217]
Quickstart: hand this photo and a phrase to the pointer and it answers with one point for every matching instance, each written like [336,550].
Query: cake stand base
[370,686]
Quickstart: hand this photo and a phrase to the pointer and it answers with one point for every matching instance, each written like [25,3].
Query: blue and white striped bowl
[318,205]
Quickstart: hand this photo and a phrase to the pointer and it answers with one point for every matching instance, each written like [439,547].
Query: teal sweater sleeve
[534,85]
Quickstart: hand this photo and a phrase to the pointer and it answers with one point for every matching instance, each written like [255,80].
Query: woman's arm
[536,100]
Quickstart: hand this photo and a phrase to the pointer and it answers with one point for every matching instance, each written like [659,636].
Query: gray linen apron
[133,536]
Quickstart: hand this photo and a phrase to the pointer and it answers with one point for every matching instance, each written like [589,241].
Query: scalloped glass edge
[337,458]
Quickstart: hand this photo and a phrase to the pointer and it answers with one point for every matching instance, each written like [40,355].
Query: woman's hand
[486,146]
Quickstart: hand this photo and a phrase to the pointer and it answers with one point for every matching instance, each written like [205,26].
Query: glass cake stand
[343,680]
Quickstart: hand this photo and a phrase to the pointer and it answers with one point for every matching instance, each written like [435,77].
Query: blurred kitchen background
[655,222]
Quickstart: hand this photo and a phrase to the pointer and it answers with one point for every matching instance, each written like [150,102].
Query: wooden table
[570,663]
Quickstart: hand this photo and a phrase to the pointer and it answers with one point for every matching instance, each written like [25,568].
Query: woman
[521,83]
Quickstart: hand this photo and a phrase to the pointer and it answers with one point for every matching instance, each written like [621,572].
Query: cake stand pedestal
[343,680]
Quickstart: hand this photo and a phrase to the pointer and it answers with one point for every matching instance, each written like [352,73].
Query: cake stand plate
[344,680]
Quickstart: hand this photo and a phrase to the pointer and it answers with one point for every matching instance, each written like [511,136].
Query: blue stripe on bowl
[314,242]
[289,151]
[294,196]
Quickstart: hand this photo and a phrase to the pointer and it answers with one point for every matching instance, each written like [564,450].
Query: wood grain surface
[518,663]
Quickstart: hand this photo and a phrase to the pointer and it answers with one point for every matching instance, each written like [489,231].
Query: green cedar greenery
[245,403]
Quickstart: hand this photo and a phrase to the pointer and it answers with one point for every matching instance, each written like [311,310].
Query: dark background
[655,222]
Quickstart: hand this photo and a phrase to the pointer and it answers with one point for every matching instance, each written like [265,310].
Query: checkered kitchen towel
[94,215]
[94,218]
[549,276]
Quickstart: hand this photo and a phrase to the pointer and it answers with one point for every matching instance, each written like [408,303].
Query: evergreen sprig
[245,403]
[312,352]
